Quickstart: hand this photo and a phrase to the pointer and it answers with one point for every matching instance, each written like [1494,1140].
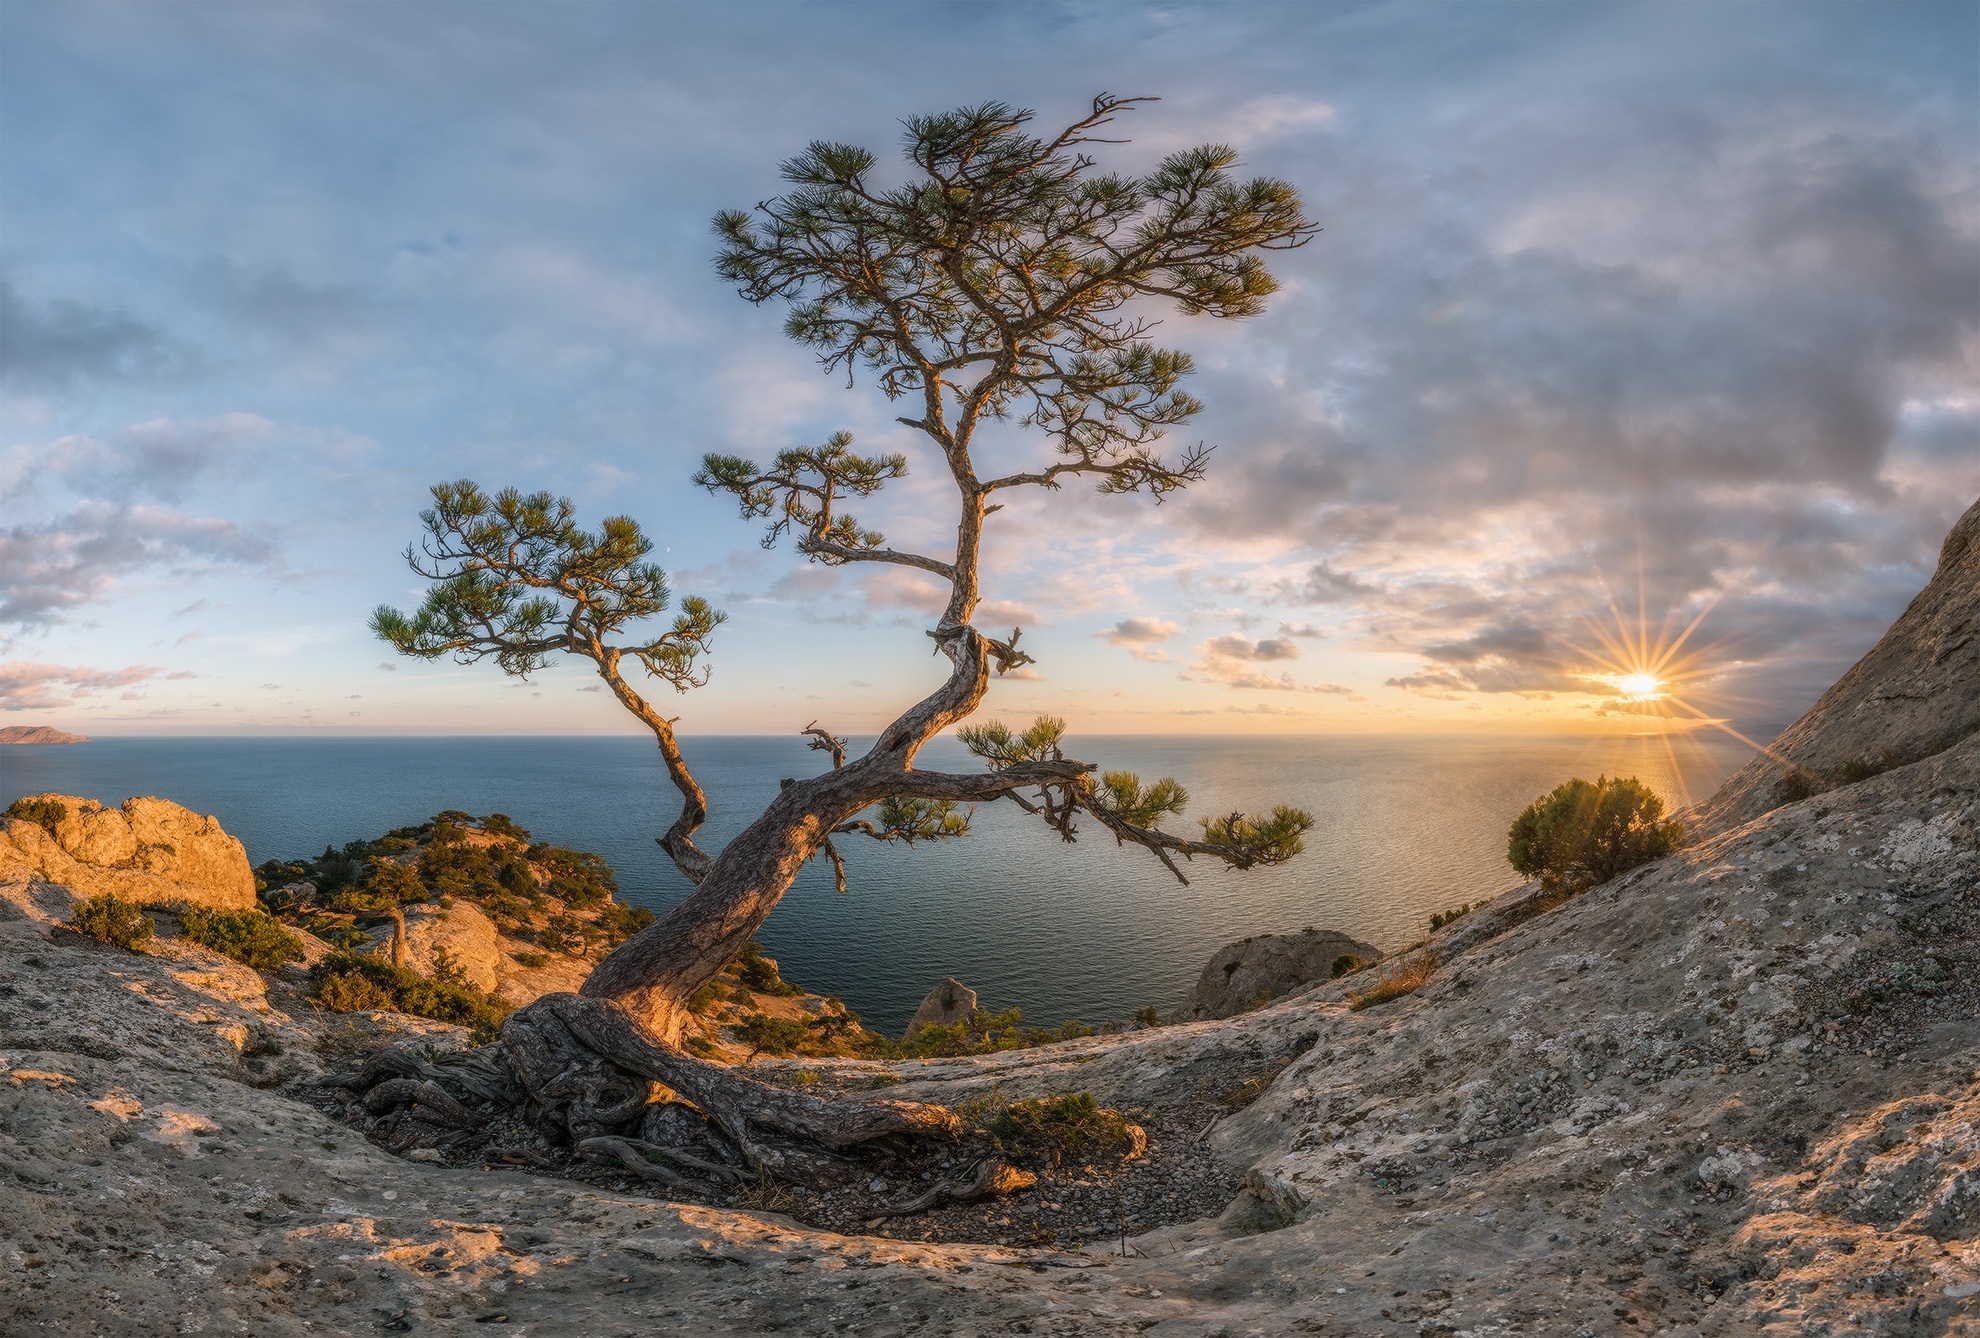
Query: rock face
[1915,694]
[461,932]
[38,734]
[950,1001]
[149,851]
[1255,971]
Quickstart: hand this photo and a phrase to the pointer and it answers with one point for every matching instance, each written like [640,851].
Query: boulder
[466,935]
[1916,694]
[1254,971]
[149,851]
[950,1001]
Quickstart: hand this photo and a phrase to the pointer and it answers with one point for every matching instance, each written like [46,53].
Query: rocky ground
[1731,1093]
[1724,1095]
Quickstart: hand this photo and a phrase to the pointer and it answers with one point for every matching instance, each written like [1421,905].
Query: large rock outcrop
[949,1002]
[1914,695]
[149,850]
[1255,971]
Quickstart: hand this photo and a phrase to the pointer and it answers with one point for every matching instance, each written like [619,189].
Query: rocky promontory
[38,734]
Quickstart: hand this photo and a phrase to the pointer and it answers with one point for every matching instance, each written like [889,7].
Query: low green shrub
[109,917]
[759,973]
[530,960]
[349,982]
[983,1033]
[254,938]
[704,997]
[1345,965]
[43,813]
[1055,1128]
[1439,919]
[764,1034]
[1150,1016]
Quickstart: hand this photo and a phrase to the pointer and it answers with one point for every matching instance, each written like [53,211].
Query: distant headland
[38,734]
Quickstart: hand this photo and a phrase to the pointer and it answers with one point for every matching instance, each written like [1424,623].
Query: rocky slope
[1731,1093]
[1915,694]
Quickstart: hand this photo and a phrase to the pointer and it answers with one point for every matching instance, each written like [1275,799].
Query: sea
[1405,826]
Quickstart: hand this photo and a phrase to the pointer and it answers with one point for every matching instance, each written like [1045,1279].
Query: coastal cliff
[1730,1093]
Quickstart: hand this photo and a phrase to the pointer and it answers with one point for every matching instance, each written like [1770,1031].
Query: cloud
[1139,631]
[78,558]
[1236,646]
[1307,630]
[1229,659]
[58,344]
[28,685]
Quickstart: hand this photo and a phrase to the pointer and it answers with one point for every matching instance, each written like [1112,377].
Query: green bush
[1345,965]
[109,917]
[764,1034]
[760,973]
[704,997]
[43,813]
[1583,834]
[251,937]
[983,1033]
[1052,1129]
[1441,918]
[348,982]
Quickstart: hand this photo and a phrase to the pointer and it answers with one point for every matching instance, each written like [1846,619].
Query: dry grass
[1405,973]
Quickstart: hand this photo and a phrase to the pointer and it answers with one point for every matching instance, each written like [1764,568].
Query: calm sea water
[1406,826]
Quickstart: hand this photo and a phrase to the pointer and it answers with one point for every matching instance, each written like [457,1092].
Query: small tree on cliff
[1585,833]
[1006,279]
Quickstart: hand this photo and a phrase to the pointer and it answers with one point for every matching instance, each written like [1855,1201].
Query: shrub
[1345,965]
[385,885]
[699,1045]
[760,973]
[764,1034]
[1583,834]
[43,813]
[1405,973]
[251,937]
[530,960]
[984,1033]
[704,997]
[1150,1016]
[348,982]
[1051,1129]
[1441,918]
[109,917]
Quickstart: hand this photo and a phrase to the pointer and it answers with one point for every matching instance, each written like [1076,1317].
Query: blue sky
[1668,307]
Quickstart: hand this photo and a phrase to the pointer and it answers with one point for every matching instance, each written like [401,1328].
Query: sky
[1626,320]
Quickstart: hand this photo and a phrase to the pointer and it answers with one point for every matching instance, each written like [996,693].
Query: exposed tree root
[989,1178]
[586,1074]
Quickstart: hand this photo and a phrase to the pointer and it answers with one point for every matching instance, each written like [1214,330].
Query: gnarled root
[987,1179]
[637,1155]
[588,1073]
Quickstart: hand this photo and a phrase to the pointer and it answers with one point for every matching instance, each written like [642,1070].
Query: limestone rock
[950,1001]
[466,936]
[1914,695]
[150,851]
[1257,970]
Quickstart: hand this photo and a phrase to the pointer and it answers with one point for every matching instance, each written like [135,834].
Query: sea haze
[1405,826]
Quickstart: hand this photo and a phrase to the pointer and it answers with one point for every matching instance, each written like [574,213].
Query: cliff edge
[1914,695]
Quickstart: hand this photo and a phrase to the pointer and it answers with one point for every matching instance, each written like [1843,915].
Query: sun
[1639,687]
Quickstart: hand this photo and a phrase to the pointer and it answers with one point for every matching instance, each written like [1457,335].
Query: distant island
[38,734]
